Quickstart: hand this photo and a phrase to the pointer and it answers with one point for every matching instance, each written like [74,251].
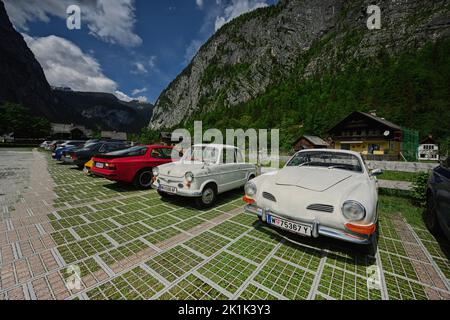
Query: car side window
[239,157]
[229,156]
[161,153]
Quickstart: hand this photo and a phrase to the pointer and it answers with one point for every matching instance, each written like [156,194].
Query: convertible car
[319,193]
[205,171]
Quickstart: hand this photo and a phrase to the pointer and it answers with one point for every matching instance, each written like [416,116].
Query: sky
[132,48]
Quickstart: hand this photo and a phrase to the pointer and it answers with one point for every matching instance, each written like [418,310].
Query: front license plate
[99,165]
[289,225]
[168,189]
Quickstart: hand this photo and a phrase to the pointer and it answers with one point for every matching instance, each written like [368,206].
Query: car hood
[315,179]
[179,169]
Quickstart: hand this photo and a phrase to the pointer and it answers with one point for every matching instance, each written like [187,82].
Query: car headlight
[353,211]
[250,189]
[155,172]
[189,176]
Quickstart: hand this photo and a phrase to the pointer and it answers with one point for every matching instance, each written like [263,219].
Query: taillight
[110,166]
[73,156]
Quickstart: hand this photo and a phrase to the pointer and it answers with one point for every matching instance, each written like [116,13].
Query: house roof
[382,121]
[317,141]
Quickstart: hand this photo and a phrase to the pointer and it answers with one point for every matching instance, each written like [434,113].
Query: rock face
[260,48]
[103,111]
[22,79]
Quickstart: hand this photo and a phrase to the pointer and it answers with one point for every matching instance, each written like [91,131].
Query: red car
[133,165]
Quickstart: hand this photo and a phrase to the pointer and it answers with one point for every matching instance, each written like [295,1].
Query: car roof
[214,145]
[332,151]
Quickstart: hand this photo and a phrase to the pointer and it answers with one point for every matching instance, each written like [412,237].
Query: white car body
[171,177]
[314,196]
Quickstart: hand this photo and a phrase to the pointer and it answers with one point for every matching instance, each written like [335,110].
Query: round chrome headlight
[250,189]
[155,172]
[189,176]
[353,211]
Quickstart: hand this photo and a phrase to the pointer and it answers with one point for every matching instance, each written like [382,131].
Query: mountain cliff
[313,61]
[23,81]
[103,111]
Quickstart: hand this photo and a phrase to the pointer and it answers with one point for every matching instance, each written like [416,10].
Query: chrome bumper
[317,229]
[180,192]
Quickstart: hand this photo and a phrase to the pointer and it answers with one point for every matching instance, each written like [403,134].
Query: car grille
[321,207]
[269,196]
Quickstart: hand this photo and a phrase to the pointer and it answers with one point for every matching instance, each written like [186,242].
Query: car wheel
[431,220]
[80,166]
[143,179]
[208,197]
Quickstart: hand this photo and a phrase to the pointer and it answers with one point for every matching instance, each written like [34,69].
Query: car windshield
[330,160]
[202,154]
[131,152]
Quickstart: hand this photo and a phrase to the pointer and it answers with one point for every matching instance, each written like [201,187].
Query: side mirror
[376,172]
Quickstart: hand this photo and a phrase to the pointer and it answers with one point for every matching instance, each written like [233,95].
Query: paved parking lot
[129,244]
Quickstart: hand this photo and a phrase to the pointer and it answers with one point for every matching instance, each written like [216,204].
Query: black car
[438,200]
[82,155]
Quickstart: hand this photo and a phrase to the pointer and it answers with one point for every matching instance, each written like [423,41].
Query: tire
[208,198]
[431,219]
[80,166]
[143,179]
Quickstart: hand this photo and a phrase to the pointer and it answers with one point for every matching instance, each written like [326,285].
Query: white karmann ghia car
[203,172]
[319,193]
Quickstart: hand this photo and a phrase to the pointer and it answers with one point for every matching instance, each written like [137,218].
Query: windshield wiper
[304,164]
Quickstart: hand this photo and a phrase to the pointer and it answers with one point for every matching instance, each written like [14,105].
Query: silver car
[205,171]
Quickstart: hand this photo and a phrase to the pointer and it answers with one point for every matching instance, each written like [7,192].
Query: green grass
[389,205]
[399,176]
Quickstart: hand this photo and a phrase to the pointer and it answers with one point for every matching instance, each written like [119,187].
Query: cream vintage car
[319,193]
[205,171]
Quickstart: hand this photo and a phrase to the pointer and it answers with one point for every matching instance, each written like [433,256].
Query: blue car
[57,155]
[437,216]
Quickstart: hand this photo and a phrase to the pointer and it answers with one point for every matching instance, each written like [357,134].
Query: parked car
[319,193]
[437,216]
[133,165]
[65,147]
[204,172]
[44,144]
[52,145]
[88,166]
[80,156]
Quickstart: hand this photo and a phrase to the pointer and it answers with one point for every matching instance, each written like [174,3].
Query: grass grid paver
[229,229]
[162,235]
[130,244]
[287,280]
[251,248]
[207,243]
[253,292]
[193,288]
[343,285]
[174,263]
[228,271]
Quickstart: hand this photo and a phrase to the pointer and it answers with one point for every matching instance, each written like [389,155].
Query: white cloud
[124,97]
[138,91]
[143,67]
[236,8]
[109,20]
[199,3]
[65,64]
[139,68]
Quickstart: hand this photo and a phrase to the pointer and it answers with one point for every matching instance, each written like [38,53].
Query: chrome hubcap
[208,196]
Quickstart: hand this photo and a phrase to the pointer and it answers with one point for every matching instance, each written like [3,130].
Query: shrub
[419,191]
